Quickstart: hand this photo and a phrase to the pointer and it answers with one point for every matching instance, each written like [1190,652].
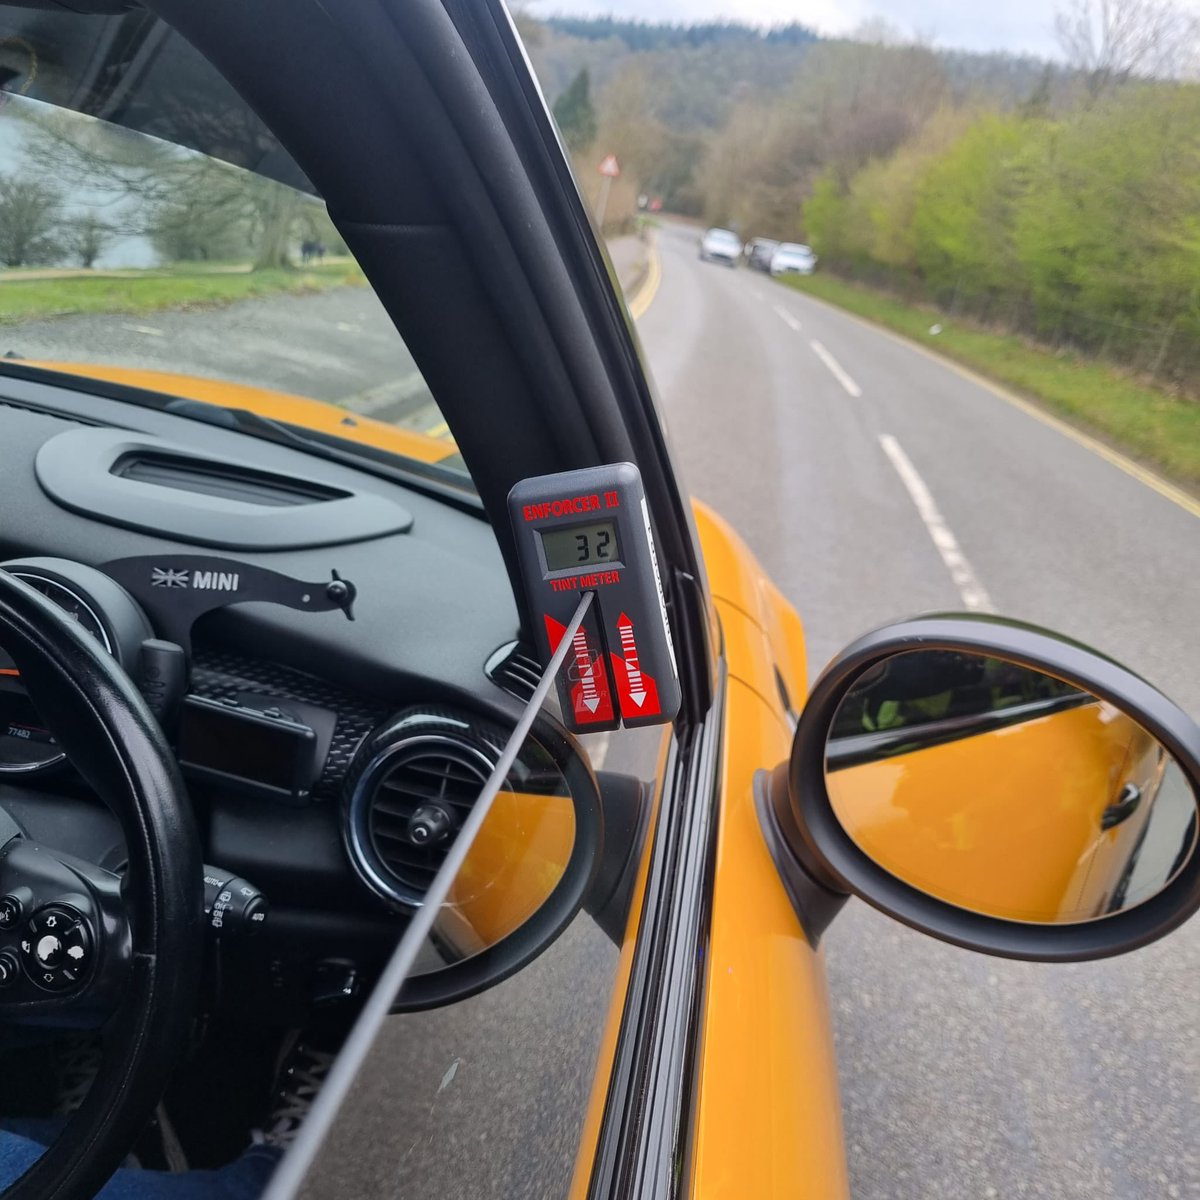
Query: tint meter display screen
[592,545]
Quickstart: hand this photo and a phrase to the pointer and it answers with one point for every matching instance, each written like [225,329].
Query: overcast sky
[1021,26]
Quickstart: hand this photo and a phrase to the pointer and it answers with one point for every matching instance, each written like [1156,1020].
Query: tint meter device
[589,530]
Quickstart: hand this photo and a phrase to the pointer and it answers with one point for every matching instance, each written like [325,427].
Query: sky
[1019,26]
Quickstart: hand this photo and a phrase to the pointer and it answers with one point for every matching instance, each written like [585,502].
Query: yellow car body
[976,847]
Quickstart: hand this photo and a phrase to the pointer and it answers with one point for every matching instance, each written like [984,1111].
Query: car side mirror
[995,786]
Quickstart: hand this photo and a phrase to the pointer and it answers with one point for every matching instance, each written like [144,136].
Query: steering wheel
[79,946]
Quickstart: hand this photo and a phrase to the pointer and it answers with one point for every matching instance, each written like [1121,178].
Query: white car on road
[721,245]
[793,258]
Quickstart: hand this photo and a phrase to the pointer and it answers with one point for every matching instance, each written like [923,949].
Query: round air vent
[412,785]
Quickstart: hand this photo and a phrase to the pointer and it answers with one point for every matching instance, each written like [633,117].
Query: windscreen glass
[155,234]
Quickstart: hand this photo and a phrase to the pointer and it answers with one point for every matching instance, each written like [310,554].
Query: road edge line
[1145,475]
[641,300]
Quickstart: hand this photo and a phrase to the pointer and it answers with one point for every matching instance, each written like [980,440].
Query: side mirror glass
[1004,790]
[998,787]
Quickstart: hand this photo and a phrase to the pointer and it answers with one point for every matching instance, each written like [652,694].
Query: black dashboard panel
[433,604]
[155,485]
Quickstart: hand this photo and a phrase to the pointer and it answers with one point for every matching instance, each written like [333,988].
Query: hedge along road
[875,482]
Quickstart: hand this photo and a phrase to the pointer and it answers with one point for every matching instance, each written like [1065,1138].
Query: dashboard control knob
[56,948]
[232,906]
[9,968]
[11,912]
[430,824]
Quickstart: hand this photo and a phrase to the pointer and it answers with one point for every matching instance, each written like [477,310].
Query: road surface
[337,345]
[840,454]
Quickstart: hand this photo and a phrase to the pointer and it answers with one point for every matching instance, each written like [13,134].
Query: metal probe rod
[290,1173]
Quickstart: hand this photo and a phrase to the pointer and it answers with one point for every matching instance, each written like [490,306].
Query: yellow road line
[1143,474]
[438,430]
[641,301]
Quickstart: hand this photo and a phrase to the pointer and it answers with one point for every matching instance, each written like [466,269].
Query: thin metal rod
[295,1165]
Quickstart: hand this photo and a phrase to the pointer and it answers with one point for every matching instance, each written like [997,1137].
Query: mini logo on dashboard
[197,581]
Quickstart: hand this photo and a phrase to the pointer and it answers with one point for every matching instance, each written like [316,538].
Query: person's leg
[22,1143]
[17,1154]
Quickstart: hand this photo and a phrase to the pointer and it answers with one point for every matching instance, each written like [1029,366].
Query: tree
[574,112]
[30,215]
[139,179]
[1109,226]
[1110,41]
[86,238]
[963,224]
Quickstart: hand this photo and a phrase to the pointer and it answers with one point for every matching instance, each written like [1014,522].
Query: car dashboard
[277,708]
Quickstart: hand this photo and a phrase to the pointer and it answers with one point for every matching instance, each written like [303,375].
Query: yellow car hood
[315,415]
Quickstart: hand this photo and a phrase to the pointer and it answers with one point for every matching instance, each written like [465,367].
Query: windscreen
[155,234]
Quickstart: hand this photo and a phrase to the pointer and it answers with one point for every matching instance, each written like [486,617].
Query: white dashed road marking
[973,594]
[787,318]
[835,368]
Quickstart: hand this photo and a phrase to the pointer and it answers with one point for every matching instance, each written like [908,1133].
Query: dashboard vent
[206,477]
[428,775]
[426,768]
[515,668]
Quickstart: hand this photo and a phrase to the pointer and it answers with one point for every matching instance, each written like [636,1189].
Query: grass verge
[1147,423]
[152,291]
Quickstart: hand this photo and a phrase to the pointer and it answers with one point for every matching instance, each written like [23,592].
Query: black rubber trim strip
[857,749]
[643,1140]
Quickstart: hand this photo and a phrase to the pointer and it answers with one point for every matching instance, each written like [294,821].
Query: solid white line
[973,594]
[786,317]
[835,368]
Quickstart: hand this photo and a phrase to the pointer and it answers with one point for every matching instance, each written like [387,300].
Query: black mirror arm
[815,897]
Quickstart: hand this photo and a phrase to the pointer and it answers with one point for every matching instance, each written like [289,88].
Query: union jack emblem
[168,578]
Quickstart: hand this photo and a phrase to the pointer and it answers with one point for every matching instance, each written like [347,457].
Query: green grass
[24,299]
[1147,423]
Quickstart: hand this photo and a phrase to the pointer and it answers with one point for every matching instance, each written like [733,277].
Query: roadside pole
[609,170]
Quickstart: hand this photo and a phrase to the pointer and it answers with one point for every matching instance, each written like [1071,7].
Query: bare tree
[87,237]
[30,213]
[1110,41]
[137,179]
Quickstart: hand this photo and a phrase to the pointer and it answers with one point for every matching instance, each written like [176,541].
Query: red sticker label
[637,691]
[591,697]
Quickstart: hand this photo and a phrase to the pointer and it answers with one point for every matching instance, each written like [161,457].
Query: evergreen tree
[574,112]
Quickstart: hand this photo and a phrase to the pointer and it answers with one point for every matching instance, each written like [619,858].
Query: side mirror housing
[995,786]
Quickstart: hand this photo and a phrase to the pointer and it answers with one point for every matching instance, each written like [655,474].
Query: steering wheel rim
[112,739]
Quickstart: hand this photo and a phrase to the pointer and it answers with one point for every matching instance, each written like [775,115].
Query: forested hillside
[1062,201]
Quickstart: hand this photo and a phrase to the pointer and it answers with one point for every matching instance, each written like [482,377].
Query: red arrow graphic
[637,691]
[591,698]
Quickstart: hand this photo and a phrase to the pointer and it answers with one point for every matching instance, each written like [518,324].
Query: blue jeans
[22,1142]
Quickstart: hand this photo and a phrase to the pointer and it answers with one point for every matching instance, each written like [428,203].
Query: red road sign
[609,166]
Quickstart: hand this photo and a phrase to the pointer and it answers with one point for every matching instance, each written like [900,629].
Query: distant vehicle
[759,251]
[793,258]
[720,245]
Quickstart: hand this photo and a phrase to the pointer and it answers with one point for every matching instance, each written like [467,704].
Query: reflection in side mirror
[993,785]
[1001,789]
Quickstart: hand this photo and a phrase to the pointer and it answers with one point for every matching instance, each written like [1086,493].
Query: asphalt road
[337,345]
[962,1076]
